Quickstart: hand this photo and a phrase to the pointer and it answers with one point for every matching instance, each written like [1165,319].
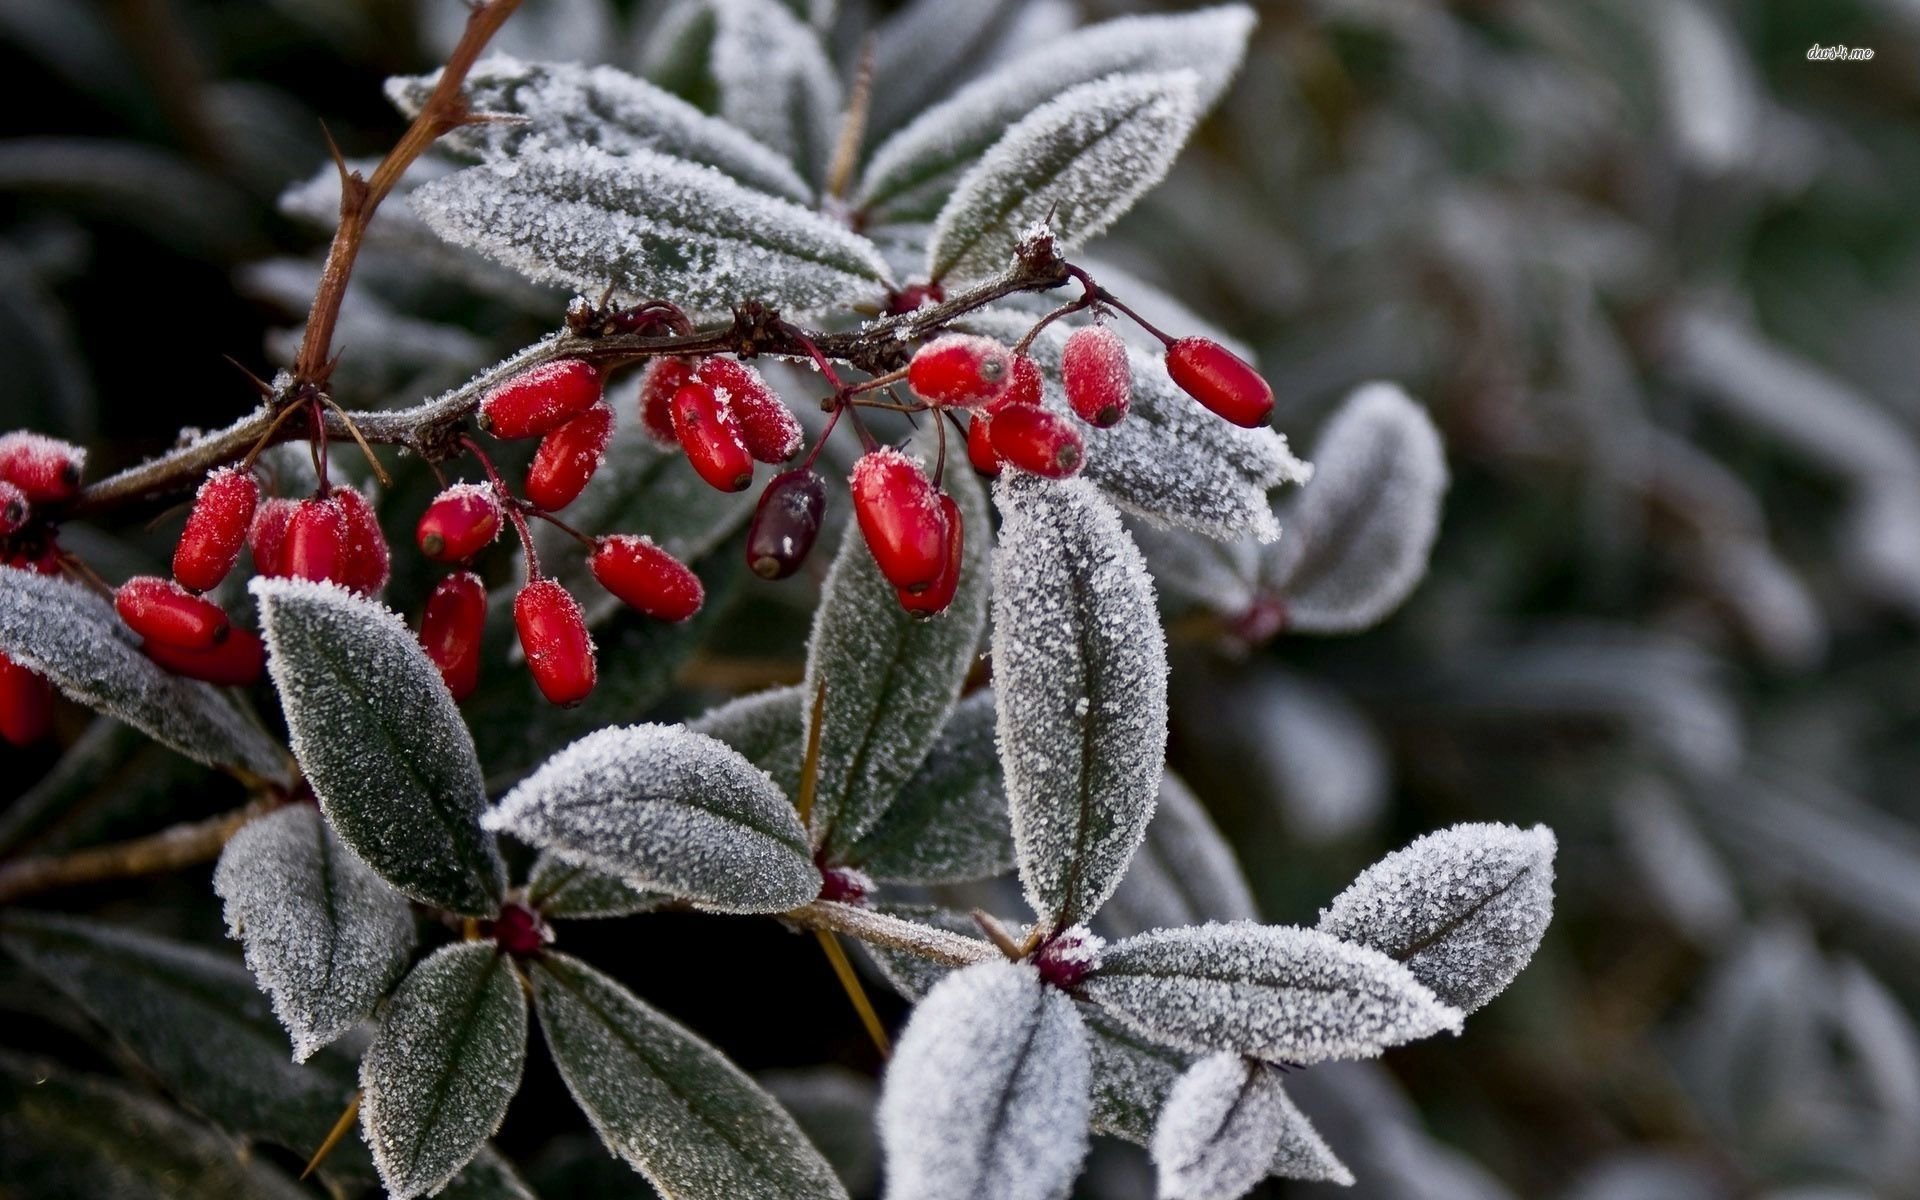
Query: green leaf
[447,1059]
[775,81]
[665,809]
[768,727]
[668,1103]
[891,679]
[949,823]
[382,743]
[559,888]
[325,936]
[73,637]
[1073,165]
[1132,1075]
[651,226]
[67,1134]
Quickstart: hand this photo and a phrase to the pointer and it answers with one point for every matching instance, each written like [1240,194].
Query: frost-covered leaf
[908,973]
[775,81]
[666,810]
[650,226]
[911,174]
[668,1103]
[1132,1075]
[987,1091]
[1358,535]
[949,822]
[1273,992]
[325,936]
[436,1080]
[1223,1119]
[923,50]
[1218,576]
[381,742]
[768,727]
[1184,873]
[891,678]
[1080,672]
[1171,461]
[1464,908]
[74,638]
[1075,164]
[559,888]
[565,104]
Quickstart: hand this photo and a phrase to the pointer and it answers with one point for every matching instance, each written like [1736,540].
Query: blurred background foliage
[1652,270]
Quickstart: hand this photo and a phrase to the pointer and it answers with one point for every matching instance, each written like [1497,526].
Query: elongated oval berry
[160,610]
[238,661]
[553,633]
[267,537]
[46,469]
[462,520]
[1024,384]
[316,540]
[662,378]
[938,596]
[568,457]
[1037,440]
[900,517]
[786,523]
[216,528]
[26,703]
[451,629]
[366,562]
[766,425]
[541,399]
[1097,375]
[646,577]
[14,509]
[712,442]
[980,445]
[960,368]
[1221,380]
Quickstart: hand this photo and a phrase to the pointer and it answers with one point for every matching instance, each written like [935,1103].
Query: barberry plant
[782,335]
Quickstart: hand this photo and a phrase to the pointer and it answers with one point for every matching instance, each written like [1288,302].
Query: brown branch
[925,941]
[174,847]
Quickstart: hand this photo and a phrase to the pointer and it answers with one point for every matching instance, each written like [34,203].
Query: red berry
[646,577]
[459,523]
[1219,379]
[844,885]
[519,931]
[1037,440]
[160,610]
[451,629]
[1024,384]
[216,528]
[26,703]
[712,441]
[366,563]
[14,508]
[554,635]
[663,377]
[541,399]
[236,662]
[316,541]
[939,595]
[767,426]
[785,523]
[1097,375]
[568,457]
[1068,957]
[980,446]
[267,537]
[900,518]
[41,560]
[46,469]
[960,368]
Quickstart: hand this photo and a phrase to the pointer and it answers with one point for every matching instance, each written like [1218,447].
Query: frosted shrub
[985,691]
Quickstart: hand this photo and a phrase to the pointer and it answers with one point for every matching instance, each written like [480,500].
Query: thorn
[260,385]
[335,1134]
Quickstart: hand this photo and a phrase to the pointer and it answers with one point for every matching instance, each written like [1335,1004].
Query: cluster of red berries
[36,473]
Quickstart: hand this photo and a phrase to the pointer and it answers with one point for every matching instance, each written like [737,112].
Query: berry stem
[1089,294]
[353,428]
[511,503]
[585,539]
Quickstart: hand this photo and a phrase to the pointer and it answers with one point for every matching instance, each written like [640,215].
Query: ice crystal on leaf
[987,1091]
[667,1102]
[651,226]
[1223,1119]
[1464,908]
[564,104]
[666,810]
[1081,684]
[1077,162]
[1359,533]
[1276,993]
[768,727]
[559,888]
[1132,1075]
[325,936]
[436,1080]
[775,80]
